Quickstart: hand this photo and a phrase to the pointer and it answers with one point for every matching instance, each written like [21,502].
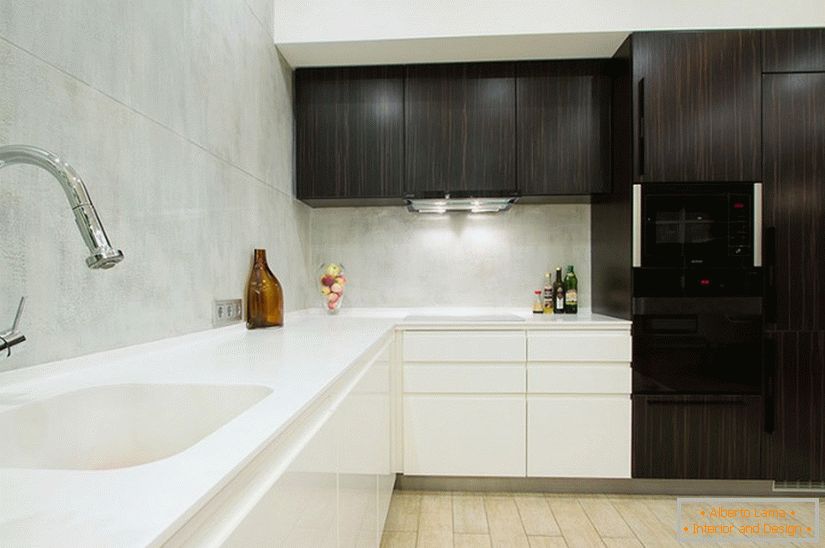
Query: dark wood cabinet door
[697,106]
[794,196]
[460,128]
[697,437]
[796,448]
[350,133]
[794,50]
[563,120]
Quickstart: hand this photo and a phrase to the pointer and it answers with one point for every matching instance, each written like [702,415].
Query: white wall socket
[226,312]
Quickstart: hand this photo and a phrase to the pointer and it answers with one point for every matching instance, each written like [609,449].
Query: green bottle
[571,293]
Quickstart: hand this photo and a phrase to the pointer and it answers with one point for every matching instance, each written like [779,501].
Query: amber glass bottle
[264,296]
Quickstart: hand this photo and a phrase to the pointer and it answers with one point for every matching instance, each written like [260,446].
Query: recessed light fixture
[470,205]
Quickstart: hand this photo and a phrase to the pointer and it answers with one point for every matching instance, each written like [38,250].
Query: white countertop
[142,505]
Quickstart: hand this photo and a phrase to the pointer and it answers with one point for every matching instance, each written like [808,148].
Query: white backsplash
[178,115]
[397,258]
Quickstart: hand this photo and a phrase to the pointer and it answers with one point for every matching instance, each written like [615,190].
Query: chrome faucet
[102,254]
[13,336]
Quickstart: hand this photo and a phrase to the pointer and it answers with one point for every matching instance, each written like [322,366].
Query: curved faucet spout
[103,255]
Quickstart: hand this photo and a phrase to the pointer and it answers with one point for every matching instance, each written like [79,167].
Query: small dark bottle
[558,293]
[264,296]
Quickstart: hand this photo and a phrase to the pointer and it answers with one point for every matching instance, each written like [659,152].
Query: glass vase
[332,281]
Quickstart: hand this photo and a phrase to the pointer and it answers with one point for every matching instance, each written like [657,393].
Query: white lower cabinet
[535,403]
[578,436]
[464,435]
[334,491]
[300,508]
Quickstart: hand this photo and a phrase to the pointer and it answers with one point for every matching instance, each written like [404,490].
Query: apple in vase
[332,283]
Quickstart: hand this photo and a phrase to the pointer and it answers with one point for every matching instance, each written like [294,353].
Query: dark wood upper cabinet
[563,120]
[460,128]
[696,101]
[350,134]
[794,50]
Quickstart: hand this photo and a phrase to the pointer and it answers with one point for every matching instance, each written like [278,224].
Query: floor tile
[645,525]
[622,542]
[546,542]
[504,521]
[536,517]
[605,518]
[469,515]
[403,514]
[436,513]
[398,539]
[462,540]
[435,539]
[574,524]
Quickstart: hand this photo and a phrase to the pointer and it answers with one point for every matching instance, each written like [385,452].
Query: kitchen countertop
[142,505]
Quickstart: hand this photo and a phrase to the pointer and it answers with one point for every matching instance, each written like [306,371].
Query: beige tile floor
[462,519]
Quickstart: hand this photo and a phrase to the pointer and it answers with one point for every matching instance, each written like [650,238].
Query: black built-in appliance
[697,324]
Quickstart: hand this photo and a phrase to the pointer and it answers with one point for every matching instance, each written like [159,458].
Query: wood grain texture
[460,128]
[563,120]
[794,187]
[697,437]
[697,103]
[611,215]
[350,132]
[796,448]
[794,50]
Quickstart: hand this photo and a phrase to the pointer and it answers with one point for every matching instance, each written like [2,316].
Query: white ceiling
[465,48]
[354,32]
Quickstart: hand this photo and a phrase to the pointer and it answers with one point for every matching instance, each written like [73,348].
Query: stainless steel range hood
[448,203]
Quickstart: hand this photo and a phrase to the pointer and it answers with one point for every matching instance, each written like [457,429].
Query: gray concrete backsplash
[397,258]
[178,116]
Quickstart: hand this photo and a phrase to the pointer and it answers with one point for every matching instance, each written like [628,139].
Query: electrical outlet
[226,312]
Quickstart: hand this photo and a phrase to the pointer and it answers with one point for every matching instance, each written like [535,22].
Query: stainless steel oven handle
[757,224]
[637,226]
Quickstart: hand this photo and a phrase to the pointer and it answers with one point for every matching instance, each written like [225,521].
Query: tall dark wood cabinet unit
[350,135]
[563,118]
[696,101]
[794,182]
[461,129]
[686,109]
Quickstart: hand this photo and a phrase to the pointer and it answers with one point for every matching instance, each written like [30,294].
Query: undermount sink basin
[116,426]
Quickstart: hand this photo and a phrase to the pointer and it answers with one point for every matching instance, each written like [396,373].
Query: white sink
[116,426]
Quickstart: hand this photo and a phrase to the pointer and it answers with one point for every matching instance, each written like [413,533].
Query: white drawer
[578,436]
[588,346]
[464,346]
[453,378]
[464,435]
[579,378]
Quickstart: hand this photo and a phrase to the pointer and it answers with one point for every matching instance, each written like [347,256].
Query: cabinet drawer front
[464,435]
[464,346]
[464,378]
[578,437]
[579,378]
[592,346]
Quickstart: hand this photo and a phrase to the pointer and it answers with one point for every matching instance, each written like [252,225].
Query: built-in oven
[701,392]
[697,225]
[705,345]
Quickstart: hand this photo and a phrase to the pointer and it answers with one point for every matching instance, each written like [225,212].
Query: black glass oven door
[697,354]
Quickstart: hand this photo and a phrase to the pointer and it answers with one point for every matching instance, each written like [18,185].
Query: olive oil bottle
[571,292]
